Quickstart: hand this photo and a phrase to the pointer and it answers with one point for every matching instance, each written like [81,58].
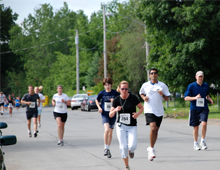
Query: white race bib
[108,106]
[60,106]
[200,102]
[125,118]
[32,105]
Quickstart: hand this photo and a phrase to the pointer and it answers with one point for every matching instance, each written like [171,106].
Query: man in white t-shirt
[2,98]
[153,92]
[36,90]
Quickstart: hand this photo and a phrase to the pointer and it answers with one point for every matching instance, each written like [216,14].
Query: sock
[61,140]
[29,131]
[107,147]
[202,140]
[195,142]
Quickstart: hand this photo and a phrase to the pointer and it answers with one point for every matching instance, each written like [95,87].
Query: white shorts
[10,105]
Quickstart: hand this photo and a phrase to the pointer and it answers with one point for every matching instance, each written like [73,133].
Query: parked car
[77,100]
[89,103]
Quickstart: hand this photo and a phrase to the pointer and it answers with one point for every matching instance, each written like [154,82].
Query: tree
[184,38]
[9,61]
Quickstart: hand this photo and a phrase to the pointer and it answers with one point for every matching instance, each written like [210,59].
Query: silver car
[77,100]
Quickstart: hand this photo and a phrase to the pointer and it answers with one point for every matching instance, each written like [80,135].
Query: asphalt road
[83,147]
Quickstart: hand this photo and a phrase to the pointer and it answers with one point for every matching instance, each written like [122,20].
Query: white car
[77,100]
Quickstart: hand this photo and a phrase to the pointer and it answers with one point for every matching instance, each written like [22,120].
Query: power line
[119,31]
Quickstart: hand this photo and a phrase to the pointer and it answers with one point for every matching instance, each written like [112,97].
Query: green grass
[180,112]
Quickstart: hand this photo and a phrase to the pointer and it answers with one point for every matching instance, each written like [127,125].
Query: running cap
[199,73]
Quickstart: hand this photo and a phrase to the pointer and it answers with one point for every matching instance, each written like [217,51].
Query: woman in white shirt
[60,101]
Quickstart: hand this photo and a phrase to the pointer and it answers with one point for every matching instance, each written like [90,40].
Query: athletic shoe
[151,154]
[60,143]
[35,134]
[39,125]
[37,131]
[105,152]
[196,146]
[108,154]
[127,168]
[131,155]
[29,134]
[203,145]
[1,113]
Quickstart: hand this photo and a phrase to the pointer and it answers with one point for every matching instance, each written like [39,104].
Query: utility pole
[77,61]
[104,50]
[147,54]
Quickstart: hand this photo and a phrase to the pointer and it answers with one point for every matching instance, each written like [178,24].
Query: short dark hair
[153,69]
[107,80]
[59,86]
[30,86]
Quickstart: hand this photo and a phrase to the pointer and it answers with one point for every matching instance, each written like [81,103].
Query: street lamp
[104,29]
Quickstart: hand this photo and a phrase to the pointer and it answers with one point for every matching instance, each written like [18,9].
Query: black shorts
[32,114]
[1,104]
[62,115]
[197,116]
[150,117]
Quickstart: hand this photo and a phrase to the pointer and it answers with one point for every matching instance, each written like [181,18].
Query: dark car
[89,103]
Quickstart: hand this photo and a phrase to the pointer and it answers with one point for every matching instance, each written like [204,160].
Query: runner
[60,101]
[6,103]
[125,105]
[31,99]
[106,97]
[17,103]
[37,91]
[2,98]
[153,92]
[198,94]
[10,105]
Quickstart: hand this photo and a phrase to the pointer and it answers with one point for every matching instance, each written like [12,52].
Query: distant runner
[2,98]
[31,99]
[198,94]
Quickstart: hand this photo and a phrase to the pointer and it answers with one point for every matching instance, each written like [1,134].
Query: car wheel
[72,108]
[88,108]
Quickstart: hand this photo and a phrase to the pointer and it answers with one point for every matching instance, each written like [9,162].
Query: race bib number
[108,106]
[32,105]
[125,118]
[60,107]
[200,102]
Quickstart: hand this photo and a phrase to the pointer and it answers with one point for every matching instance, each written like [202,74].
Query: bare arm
[97,104]
[209,98]
[144,97]
[188,98]
[114,110]
[24,102]
[135,115]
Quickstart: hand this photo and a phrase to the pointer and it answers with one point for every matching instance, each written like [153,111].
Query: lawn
[180,112]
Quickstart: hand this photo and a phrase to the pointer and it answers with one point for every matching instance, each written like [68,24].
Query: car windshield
[92,97]
[80,96]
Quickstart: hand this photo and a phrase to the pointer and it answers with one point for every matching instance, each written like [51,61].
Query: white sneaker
[151,154]
[203,145]
[196,146]
[39,125]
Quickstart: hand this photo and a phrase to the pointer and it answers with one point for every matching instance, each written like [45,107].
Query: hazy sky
[26,7]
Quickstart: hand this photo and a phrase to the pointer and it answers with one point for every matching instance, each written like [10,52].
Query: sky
[25,7]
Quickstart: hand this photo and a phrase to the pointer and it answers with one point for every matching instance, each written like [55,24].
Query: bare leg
[29,124]
[195,133]
[106,133]
[60,128]
[35,124]
[125,161]
[153,134]
[110,136]
[204,129]
[38,118]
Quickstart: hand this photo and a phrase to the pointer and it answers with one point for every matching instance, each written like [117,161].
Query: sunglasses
[124,89]
[153,73]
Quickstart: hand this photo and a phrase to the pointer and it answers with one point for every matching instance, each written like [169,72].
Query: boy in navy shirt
[106,97]
[198,94]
